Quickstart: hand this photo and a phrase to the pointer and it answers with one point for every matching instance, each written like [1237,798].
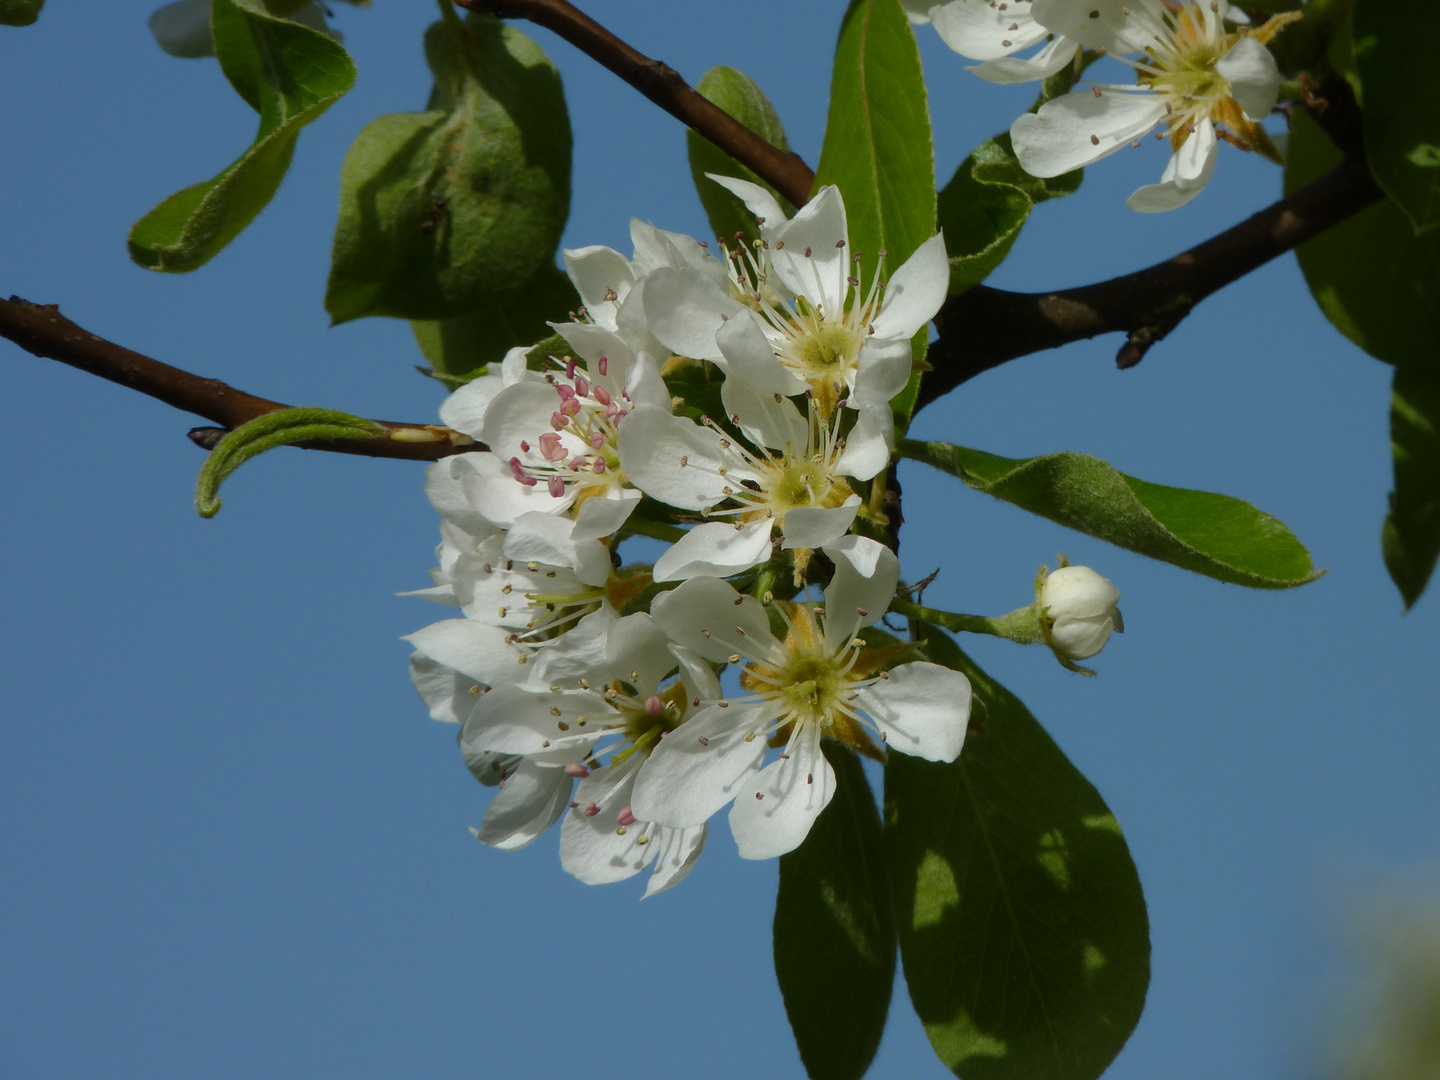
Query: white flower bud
[1079,611]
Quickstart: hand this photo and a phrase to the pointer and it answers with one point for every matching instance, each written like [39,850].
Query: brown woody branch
[42,330]
[786,172]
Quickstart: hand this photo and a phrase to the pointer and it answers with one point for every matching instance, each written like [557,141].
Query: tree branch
[786,172]
[984,327]
[41,329]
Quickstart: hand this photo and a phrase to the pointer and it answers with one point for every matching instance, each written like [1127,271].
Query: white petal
[709,617]
[638,652]
[471,648]
[751,357]
[1081,638]
[884,370]
[1117,25]
[1173,190]
[773,813]
[1013,69]
[653,444]
[867,444]
[816,526]
[715,549]
[676,853]
[818,228]
[922,709]
[545,538]
[1195,154]
[915,291]
[1079,129]
[445,691]
[464,410]
[1253,76]
[534,721]
[866,573]
[760,202]
[591,342]
[487,481]
[602,277]
[981,31]
[698,677]
[644,386]
[685,309]
[578,653]
[446,492]
[767,419]
[529,801]
[519,413]
[599,517]
[595,847]
[685,779]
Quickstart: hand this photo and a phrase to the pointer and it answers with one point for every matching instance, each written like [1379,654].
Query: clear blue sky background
[233,845]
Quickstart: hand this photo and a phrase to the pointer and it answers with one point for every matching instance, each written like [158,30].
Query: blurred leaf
[985,204]
[738,95]
[283,427]
[288,73]
[1371,275]
[464,344]
[835,931]
[1022,925]
[19,12]
[878,148]
[441,211]
[1394,49]
[1411,536]
[1215,535]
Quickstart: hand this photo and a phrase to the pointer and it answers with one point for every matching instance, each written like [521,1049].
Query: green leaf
[878,149]
[288,73]
[1022,925]
[441,212]
[1394,44]
[464,344]
[1411,536]
[19,12]
[985,204]
[1371,275]
[283,427]
[1215,535]
[835,931]
[742,98]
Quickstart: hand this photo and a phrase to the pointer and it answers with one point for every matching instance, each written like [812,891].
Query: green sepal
[1411,535]
[741,97]
[19,12]
[463,345]
[835,930]
[289,74]
[1393,45]
[1022,924]
[283,427]
[449,212]
[1206,533]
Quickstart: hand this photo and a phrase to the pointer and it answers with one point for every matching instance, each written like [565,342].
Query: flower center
[579,450]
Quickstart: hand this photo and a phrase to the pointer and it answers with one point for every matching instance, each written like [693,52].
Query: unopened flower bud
[1078,610]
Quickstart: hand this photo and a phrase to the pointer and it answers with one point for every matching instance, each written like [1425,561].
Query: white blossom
[995,33]
[1078,610]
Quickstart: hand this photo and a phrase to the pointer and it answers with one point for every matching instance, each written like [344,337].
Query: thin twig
[42,330]
[659,82]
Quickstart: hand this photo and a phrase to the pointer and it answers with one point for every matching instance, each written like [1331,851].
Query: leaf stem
[1020,626]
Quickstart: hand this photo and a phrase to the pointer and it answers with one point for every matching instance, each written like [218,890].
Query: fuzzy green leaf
[283,427]
[878,149]
[1393,45]
[289,74]
[1411,535]
[463,344]
[742,98]
[19,12]
[835,931]
[1022,924]
[1372,276]
[1215,535]
[443,211]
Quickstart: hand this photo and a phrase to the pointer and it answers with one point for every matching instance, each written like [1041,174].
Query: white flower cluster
[591,692]
[1196,79]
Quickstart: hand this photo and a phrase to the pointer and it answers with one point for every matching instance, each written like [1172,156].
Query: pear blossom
[1203,82]
[1078,610]
[994,33]
[819,681]
[794,480]
[829,333]
[621,712]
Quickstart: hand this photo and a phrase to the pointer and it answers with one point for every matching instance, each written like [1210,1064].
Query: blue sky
[233,843]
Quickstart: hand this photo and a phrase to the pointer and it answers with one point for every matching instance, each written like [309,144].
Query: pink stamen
[599,466]
[550,447]
[570,408]
[604,365]
[524,446]
[519,473]
[621,415]
[558,421]
[581,386]
[597,439]
[602,395]
[591,810]
[556,486]
[570,367]
[565,392]
[626,818]
[654,706]
[577,769]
